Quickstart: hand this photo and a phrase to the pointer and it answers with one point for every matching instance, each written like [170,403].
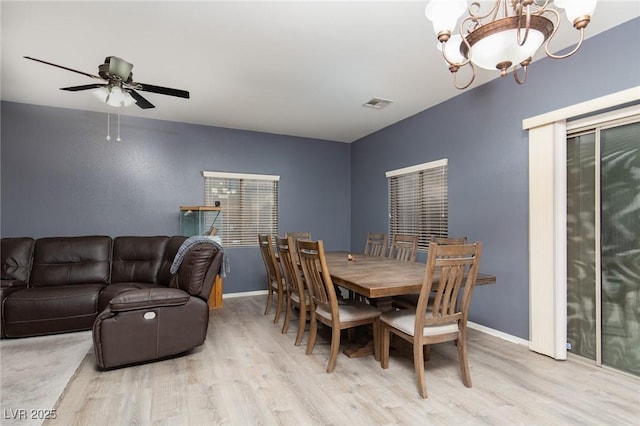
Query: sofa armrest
[148,298]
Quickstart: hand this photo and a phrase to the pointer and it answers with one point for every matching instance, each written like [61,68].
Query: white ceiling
[301,68]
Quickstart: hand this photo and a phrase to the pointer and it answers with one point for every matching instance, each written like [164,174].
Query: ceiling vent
[377,103]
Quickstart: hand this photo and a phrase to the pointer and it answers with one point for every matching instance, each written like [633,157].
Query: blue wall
[480,132]
[61,177]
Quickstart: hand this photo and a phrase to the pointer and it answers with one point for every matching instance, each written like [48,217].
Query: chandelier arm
[451,62]
[524,74]
[575,49]
[473,76]
[523,40]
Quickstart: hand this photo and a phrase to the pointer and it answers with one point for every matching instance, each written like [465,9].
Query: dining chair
[405,301]
[376,244]
[455,267]
[404,247]
[274,275]
[297,296]
[449,240]
[324,303]
[297,236]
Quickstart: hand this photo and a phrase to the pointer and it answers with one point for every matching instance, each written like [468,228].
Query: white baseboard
[470,324]
[246,293]
[497,333]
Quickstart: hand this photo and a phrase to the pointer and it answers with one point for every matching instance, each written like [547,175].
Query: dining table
[379,279]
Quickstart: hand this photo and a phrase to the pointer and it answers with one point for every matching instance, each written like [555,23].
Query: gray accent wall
[480,132]
[61,177]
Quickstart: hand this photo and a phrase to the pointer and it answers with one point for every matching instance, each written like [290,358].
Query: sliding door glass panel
[581,242]
[620,247]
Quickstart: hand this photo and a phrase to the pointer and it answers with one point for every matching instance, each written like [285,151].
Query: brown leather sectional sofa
[121,287]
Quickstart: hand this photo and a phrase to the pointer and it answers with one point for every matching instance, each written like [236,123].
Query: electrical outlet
[568,346]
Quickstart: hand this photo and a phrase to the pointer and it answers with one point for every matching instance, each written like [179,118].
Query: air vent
[377,103]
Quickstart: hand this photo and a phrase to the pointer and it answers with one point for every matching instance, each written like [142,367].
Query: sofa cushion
[15,258]
[164,275]
[71,260]
[137,259]
[51,309]
[198,269]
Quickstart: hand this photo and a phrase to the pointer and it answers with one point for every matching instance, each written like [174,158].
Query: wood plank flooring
[248,373]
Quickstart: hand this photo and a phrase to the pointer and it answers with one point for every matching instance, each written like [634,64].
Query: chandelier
[504,37]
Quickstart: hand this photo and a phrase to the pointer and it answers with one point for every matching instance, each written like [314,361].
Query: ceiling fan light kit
[504,36]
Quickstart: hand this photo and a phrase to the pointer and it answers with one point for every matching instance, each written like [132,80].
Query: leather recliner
[147,324]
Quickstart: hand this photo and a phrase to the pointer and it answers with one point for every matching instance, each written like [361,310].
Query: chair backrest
[295,236]
[298,236]
[317,277]
[404,247]
[290,269]
[376,244]
[449,240]
[455,269]
[269,258]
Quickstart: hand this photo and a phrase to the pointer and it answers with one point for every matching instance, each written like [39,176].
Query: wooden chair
[446,320]
[274,276]
[411,300]
[404,247]
[449,240]
[376,244]
[297,236]
[324,302]
[297,296]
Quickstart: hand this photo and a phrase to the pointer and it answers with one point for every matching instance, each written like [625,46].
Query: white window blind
[418,201]
[249,205]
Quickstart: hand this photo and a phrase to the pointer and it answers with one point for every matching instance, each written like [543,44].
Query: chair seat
[350,310]
[404,320]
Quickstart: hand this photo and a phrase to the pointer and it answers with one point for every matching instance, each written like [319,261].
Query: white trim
[417,168]
[598,120]
[547,240]
[243,294]
[228,175]
[587,107]
[496,333]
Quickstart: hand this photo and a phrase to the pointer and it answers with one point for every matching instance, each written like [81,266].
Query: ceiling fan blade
[162,90]
[85,87]
[140,101]
[64,68]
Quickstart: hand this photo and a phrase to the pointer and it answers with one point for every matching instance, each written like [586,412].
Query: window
[249,205]
[418,201]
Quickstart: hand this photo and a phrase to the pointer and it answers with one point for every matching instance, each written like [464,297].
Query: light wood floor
[248,373]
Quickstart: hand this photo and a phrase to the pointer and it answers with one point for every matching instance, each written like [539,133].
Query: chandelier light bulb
[577,10]
[444,14]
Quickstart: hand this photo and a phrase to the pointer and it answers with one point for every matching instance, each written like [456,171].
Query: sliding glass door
[603,244]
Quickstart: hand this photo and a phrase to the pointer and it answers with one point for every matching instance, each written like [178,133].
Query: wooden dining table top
[380,277]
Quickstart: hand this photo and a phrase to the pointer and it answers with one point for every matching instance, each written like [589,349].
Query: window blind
[418,201]
[249,205]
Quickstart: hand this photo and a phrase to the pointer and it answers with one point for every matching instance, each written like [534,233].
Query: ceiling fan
[118,87]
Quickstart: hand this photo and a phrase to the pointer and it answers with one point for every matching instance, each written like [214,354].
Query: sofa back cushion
[174,243]
[137,259]
[15,258]
[71,260]
[198,270]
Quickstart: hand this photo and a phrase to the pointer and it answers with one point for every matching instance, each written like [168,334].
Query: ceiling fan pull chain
[108,126]
[118,138]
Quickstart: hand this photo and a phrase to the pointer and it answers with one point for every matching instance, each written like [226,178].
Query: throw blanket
[192,241]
